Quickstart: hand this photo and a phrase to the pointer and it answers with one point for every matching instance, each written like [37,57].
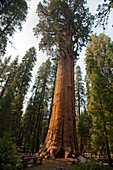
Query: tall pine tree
[37,112]
[14,88]
[8,70]
[19,86]
[99,64]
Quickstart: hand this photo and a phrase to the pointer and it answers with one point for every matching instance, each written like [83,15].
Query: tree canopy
[12,15]
[59,19]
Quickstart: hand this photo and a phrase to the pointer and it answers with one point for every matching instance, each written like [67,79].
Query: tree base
[53,153]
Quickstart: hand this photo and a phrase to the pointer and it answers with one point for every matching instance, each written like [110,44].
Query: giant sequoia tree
[65,26]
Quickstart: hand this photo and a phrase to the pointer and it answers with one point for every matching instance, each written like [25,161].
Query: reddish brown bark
[61,131]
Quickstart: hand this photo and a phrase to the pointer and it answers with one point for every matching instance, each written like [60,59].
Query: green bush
[89,166]
[8,154]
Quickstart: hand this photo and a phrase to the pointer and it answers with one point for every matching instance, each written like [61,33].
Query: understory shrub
[89,166]
[9,159]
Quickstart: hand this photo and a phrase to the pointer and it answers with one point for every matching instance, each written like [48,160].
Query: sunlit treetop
[60,20]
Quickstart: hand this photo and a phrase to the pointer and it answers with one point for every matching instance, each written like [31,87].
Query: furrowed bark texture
[61,131]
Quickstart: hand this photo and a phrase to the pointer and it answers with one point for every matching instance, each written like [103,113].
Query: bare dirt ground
[57,164]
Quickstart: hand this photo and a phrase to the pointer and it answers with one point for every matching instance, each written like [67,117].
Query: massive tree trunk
[65,26]
[61,131]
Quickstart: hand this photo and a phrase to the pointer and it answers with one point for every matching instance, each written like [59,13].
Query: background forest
[25,125]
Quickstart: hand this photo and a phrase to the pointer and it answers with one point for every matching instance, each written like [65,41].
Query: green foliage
[20,85]
[12,15]
[15,81]
[103,13]
[8,154]
[84,125]
[100,53]
[37,113]
[8,70]
[99,65]
[89,166]
[63,24]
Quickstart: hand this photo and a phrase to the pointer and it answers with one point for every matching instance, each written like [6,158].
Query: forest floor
[57,164]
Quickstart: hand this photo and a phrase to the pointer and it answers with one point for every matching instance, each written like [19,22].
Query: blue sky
[25,39]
